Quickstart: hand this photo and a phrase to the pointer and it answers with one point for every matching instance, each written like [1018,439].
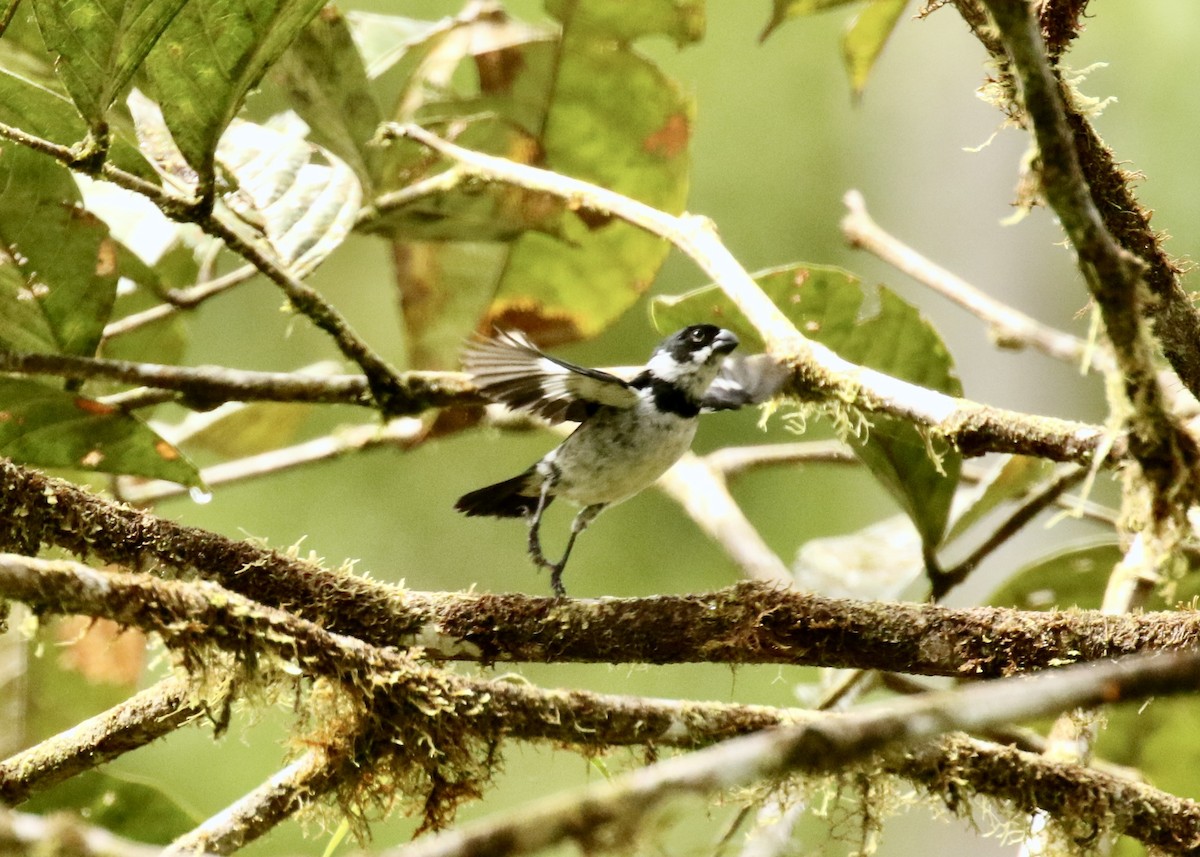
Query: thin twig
[204,387]
[399,433]
[381,377]
[1010,328]
[179,299]
[733,461]
[284,794]
[1022,515]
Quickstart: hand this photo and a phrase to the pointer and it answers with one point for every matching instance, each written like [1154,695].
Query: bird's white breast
[617,453]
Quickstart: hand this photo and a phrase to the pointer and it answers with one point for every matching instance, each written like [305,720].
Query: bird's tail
[507,499]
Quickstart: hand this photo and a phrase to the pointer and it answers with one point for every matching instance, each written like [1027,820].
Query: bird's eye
[696,334]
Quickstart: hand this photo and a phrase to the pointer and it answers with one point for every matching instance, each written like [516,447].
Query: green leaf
[210,57]
[38,110]
[100,44]
[682,21]
[785,10]
[326,79]
[1077,577]
[864,40]
[826,304]
[36,107]
[580,105]
[304,209]
[23,324]
[47,427]
[1160,739]
[1013,480]
[121,805]
[61,261]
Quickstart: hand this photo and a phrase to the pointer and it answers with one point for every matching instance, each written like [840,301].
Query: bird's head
[691,358]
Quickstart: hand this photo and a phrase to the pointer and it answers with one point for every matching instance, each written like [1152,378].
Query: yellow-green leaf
[864,39]
[786,10]
[582,103]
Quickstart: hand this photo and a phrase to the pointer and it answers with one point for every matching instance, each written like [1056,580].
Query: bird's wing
[508,369]
[749,380]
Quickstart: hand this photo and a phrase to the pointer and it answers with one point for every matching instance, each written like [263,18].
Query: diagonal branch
[139,720]
[1009,328]
[813,369]
[605,811]
[381,377]
[300,784]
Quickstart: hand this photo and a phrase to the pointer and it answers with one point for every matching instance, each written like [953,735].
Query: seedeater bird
[629,434]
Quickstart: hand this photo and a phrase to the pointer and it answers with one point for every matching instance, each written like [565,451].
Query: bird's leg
[585,517]
[535,522]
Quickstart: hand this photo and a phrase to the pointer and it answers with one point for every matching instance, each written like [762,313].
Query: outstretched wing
[507,368]
[742,381]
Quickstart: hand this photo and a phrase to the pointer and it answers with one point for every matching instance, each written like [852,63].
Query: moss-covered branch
[139,720]
[743,624]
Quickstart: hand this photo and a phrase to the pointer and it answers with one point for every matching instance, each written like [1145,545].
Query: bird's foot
[556,570]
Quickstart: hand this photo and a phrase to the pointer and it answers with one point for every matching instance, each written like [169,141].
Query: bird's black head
[698,344]
[690,358]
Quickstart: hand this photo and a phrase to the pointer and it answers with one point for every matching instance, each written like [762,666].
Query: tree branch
[181,612]
[744,624]
[139,720]
[298,785]
[814,370]
[1083,801]
[1009,327]
[400,433]
[607,811]
[179,299]
[1167,455]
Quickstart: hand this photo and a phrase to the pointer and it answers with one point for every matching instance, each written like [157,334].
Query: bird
[630,431]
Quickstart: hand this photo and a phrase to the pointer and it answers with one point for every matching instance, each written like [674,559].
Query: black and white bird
[630,431]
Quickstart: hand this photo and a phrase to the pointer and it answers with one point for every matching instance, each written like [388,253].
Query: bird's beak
[725,342]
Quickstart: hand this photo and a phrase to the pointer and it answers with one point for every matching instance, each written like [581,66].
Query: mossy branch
[1114,274]
[139,720]
[744,624]
[601,813]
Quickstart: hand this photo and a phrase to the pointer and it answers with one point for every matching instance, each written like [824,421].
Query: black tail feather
[502,500]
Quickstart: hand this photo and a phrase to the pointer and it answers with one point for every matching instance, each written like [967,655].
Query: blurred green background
[777,141]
